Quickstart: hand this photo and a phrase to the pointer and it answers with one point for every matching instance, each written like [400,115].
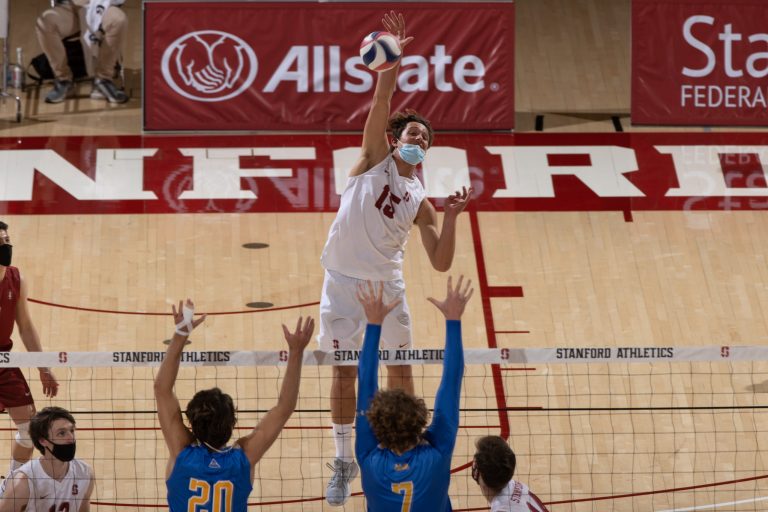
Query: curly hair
[211,414]
[496,462]
[400,120]
[397,419]
[40,424]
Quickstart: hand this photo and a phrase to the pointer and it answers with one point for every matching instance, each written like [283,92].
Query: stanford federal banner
[296,65]
[700,62]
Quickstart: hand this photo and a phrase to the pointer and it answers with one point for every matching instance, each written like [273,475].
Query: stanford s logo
[74,489]
[209,65]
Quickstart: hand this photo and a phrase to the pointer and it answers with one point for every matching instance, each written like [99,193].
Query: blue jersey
[418,479]
[213,481]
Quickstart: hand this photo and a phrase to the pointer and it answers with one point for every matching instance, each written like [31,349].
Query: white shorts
[343,321]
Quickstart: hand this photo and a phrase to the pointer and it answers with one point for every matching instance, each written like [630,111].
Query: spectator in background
[103,26]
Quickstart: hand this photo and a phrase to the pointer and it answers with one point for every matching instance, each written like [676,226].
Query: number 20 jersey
[377,211]
[202,480]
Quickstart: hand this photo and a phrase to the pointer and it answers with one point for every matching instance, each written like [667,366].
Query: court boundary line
[151,313]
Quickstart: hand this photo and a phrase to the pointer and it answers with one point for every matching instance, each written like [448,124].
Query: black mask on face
[6,251]
[63,452]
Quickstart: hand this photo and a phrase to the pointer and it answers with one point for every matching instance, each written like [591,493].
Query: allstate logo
[209,65]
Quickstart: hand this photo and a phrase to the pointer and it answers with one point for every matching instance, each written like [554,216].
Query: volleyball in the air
[380,51]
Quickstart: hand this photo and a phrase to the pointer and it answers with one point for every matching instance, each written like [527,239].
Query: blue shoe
[62,89]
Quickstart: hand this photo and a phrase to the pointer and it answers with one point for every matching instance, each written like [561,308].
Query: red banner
[296,66]
[306,173]
[700,62]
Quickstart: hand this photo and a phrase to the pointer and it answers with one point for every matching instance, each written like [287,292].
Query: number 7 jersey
[377,211]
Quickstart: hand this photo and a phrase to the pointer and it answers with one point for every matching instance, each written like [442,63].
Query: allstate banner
[700,62]
[296,65]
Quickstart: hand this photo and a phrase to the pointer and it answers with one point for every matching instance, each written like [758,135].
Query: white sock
[15,465]
[342,437]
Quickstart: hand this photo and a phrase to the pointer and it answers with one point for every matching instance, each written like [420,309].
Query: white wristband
[184,328]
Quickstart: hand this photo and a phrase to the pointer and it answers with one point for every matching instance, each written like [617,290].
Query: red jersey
[10,291]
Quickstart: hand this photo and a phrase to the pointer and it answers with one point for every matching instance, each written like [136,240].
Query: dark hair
[496,462]
[400,120]
[40,424]
[397,419]
[211,414]
[3,226]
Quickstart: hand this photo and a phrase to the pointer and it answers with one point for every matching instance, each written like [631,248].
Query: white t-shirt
[517,497]
[377,211]
[47,494]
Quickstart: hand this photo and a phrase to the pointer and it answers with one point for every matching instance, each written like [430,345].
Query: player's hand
[453,305]
[298,340]
[50,384]
[371,298]
[395,24]
[183,317]
[456,203]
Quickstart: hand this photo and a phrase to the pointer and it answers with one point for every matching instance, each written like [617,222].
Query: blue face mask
[412,153]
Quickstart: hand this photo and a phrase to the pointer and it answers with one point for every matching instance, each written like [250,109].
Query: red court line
[134,505]
[485,297]
[505,291]
[461,468]
[149,313]
[660,491]
[632,495]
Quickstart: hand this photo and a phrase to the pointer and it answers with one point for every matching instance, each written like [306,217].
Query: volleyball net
[612,428]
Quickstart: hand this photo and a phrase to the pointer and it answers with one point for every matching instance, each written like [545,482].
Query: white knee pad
[22,435]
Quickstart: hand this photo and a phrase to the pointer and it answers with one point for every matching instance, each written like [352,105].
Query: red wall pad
[296,65]
[700,62]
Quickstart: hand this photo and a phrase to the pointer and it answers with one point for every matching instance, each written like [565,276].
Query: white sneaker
[337,492]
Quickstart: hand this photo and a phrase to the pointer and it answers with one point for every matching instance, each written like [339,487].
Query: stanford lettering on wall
[306,173]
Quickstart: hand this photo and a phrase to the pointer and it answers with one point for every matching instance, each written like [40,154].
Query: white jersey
[517,497]
[377,211]
[46,494]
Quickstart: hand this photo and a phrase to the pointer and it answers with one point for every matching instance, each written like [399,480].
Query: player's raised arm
[176,435]
[264,434]
[375,144]
[445,423]
[371,298]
